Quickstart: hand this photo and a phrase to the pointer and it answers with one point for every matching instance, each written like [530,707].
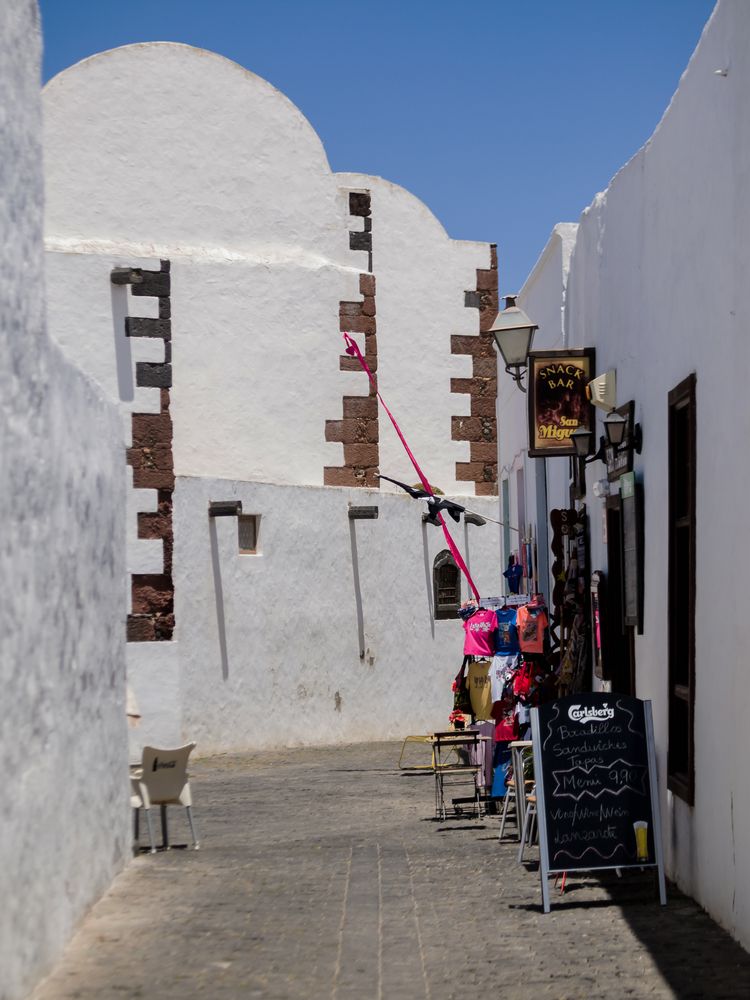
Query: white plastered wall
[421,276]
[658,286]
[224,177]
[270,644]
[65,828]
[542,298]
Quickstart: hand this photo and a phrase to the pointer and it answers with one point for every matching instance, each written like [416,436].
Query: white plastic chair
[162,780]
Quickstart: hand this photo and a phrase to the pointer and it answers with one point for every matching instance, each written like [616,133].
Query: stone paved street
[323,875]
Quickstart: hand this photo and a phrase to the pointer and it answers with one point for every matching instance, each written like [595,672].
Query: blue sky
[504,116]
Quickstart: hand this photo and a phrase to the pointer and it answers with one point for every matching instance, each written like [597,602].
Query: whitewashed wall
[542,298]
[223,176]
[421,278]
[270,644]
[658,284]
[65,828]
[165,151]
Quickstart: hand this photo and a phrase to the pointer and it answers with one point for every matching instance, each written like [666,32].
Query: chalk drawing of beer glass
[641,839]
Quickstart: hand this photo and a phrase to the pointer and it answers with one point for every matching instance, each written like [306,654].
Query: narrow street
[322,874]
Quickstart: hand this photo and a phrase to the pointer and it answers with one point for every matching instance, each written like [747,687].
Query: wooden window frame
[445,611]
[682,397]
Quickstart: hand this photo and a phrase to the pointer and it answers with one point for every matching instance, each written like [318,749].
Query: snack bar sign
[557,400]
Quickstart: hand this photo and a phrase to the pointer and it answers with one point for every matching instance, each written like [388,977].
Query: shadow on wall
[357,592]
[123,353]
[467,550]
[428,579]
[219,597]
[696,957]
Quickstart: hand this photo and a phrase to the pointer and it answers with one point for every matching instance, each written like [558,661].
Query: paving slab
[322,874]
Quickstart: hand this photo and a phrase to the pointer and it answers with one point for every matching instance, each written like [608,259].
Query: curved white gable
[162,143]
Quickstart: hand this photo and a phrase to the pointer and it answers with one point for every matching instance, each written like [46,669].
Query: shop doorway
[623,644]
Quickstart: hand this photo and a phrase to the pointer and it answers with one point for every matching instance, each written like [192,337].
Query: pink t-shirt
[480,634]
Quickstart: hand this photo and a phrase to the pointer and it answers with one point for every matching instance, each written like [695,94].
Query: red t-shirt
[506,724]
[480,634]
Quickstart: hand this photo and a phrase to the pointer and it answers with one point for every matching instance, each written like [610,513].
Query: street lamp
[582,438]
[513,332]
[620,431]
[615,425]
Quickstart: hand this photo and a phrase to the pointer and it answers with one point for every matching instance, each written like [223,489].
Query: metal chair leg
[196,842]
[526,831]
[136,825]
[150,826]
[504,814]
[164,828]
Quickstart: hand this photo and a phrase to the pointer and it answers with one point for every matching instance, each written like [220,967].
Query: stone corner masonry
[480,427]
[358,429]
[150,456]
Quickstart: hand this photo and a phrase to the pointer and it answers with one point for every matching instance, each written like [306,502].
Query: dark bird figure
[434,504]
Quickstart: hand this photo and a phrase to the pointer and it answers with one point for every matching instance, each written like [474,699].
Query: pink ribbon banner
[353,350]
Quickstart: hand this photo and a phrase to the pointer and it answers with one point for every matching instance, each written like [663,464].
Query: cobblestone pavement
[322,874]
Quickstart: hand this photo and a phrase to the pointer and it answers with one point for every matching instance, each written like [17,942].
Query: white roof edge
[561,238]
[601,196]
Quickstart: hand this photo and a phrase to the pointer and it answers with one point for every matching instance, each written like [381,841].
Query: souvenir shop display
[506,670]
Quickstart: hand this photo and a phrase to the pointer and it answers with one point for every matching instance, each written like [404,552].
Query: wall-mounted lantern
[620,432]
[513,332]
[582,438]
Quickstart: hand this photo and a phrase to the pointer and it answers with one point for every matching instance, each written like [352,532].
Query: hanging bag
[461,696]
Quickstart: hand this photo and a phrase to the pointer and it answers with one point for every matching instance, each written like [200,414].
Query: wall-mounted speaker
[602,390]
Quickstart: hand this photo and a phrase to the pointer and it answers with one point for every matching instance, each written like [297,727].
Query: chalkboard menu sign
[597,802]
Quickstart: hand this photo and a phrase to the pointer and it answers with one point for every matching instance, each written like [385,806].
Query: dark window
[681,610]
[247,533]
[446,585]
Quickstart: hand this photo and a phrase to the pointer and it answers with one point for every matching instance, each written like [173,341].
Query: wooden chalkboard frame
[545,869]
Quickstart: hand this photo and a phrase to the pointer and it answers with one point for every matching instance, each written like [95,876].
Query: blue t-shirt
[506,637]
[513,575]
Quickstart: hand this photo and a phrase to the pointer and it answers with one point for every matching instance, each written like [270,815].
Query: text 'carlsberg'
[583,715]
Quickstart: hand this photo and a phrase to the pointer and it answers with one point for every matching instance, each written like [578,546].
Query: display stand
[596,787]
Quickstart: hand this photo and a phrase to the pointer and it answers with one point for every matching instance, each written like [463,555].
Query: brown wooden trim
[682,398]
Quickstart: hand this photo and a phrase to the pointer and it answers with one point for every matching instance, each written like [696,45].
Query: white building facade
[202,263]
[65,830]
[654,278]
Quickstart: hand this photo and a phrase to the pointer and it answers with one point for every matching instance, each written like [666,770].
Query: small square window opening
[248,526]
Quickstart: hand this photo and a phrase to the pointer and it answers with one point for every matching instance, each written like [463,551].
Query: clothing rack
[511,601]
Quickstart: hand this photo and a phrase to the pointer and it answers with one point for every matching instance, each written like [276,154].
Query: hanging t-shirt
[506,725]
[480,634]
[532,624]
[507,634]
[480,690]
[513,575]
[502,673]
